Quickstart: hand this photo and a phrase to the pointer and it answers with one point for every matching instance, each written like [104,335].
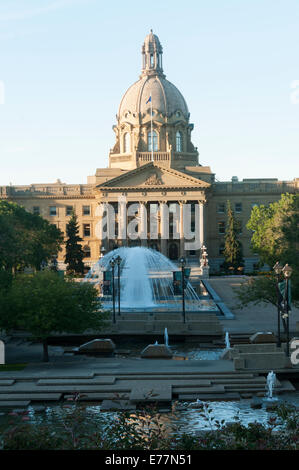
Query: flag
[150,99]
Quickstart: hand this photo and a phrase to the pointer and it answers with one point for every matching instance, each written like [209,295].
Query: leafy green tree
[74,252]
[26,239]
[232,246]
[275,231]
[45,303]
[274,238]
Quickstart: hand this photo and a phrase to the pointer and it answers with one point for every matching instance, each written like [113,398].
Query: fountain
[146,282]
[166,337]
[227,341]
[271,380]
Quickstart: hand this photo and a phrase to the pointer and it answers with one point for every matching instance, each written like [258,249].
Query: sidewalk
[261,317]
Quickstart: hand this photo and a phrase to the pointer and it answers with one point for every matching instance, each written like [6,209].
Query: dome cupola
[153,113]
[152,56]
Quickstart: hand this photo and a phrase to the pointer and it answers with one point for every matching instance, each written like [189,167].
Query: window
[127,143]
[178,140]
[152,60]
[36,210]
[238,207]
[53,210]
[221,249]
[86,210]
[86,230]
[86,250]
[221,228]
[155,141]
[69,210]
[192,252]
[221,208]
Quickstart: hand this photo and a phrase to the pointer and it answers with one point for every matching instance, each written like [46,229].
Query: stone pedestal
[97,346]
[153,351]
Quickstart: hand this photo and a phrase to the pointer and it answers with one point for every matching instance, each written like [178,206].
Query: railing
[158,156]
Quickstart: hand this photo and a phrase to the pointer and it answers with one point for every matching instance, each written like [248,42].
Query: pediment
[153,176]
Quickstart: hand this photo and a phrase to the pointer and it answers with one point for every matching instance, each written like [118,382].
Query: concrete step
[239,381]
[209,397]
[6,382]
[100,396]
[287,386]
[189,390]
[13,404]
[180,375]
[31,396]
[92,381]
[33,388]
[145,393]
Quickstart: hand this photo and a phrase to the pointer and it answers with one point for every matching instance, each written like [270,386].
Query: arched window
[155,141]
[178,139]
[127,143]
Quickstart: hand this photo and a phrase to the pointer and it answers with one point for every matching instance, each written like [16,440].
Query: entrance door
[173,251]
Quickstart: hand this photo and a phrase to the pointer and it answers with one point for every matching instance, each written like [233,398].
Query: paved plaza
[261,317]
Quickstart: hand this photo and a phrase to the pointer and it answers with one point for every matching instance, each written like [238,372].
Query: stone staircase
[136,388]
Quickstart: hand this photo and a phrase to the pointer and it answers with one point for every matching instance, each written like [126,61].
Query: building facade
[153,173]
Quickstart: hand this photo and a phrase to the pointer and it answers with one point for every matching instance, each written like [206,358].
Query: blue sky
[65,64]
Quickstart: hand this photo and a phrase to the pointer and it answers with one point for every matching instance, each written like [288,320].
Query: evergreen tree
[232,248]
[74,252]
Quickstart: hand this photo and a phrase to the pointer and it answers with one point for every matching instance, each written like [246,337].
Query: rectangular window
[221,249]
[36,210]
[238,207]
[53,210]
[86,230]
[86,210]
[69,210]
[221,208]
[221,228]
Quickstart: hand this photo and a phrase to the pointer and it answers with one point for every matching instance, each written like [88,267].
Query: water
[271,381]
[188,419]
[166,337]
[146,281]
[227,341]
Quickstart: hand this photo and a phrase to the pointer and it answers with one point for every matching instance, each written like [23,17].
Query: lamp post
[287,271]
[118,261]
[182,264]
[112,264]
[278,269]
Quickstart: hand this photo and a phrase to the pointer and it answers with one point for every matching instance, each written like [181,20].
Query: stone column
[182,238]
[201,223]
[122,220]
[164,226]
[99,232]
[143,223]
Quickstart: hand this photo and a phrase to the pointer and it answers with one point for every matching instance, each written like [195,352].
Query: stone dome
[166,98]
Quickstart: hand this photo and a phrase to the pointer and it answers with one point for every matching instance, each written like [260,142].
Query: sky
[65,65]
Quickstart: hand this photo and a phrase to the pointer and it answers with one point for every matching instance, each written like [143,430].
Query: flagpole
[152,129]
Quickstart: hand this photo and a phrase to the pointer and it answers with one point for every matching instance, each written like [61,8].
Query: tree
[26,239]
[275,231]
[274,238]
[45,303]
[74,252]
[232,247]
